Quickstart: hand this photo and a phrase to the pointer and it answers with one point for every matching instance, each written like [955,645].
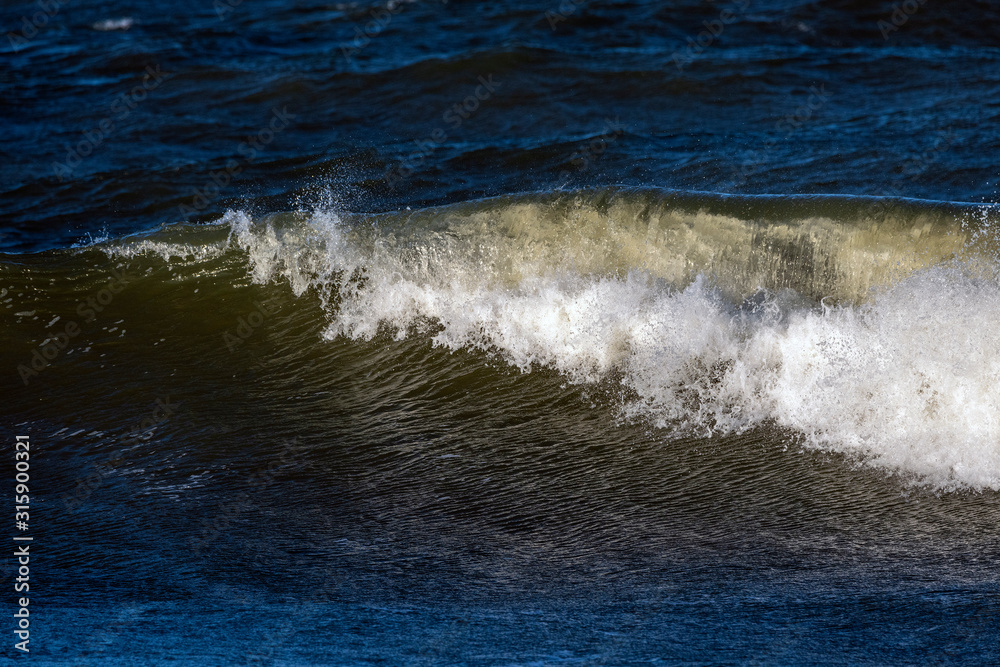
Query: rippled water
[504,333]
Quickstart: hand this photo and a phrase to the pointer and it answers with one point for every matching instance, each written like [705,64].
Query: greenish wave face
[852,325]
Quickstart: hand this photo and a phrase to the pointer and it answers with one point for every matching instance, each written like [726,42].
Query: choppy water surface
[505,333]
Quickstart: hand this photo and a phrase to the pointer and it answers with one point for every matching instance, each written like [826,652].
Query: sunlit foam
[905,377]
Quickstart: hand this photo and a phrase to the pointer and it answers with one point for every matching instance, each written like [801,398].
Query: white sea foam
[907,378]
[107,25]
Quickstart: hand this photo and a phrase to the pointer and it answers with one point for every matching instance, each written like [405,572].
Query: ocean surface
[502,333]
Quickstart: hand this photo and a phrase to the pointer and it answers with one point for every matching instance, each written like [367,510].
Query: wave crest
[865,333]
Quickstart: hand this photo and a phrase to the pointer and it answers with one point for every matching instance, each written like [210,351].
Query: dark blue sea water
[502,333]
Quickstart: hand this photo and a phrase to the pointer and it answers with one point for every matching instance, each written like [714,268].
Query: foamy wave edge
[907,381]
